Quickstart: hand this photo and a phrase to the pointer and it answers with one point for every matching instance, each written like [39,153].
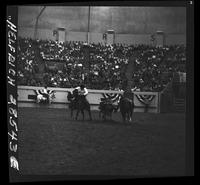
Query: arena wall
[93,97]
[171,39]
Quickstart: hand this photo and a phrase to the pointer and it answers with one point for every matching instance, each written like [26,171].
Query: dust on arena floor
[50,142]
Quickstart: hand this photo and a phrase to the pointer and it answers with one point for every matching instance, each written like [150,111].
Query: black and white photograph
[100,90]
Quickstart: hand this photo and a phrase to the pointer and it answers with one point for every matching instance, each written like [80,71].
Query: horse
[126,106]
[79,103]
[106,109]
[72,104]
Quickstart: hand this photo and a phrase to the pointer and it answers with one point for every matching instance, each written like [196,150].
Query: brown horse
[79,103]
[72,104]
[126,106]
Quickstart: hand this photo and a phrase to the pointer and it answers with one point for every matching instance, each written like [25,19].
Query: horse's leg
[129,117]
[131,114]
[71,112]
[82,111]
[110,116]
[105,116]
[99,114]
[90,115]
[89,111]
[77,114]
[102,115]
[132,111]
[123,116]
[87,107]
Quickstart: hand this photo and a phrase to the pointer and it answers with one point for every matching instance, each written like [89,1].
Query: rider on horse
[82,91]
[80,102]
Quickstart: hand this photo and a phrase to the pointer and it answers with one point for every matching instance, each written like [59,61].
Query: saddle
[128,95]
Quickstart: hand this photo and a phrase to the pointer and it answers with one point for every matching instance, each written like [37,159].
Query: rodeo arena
[101,90]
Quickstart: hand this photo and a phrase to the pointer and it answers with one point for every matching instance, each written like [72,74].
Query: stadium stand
[63,65]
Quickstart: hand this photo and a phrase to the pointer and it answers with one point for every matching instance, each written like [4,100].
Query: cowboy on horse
[83,92]
[126,105]
[78,100]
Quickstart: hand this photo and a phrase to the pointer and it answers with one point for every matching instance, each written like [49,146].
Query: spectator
[154,66]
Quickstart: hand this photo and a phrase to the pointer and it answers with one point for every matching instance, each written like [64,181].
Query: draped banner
[37,92]
[112,96]
[50,93]
[145,99]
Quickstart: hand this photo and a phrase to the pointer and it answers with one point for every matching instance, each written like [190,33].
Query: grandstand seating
[154,66]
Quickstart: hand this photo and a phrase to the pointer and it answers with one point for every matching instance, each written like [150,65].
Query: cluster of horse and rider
[79,102]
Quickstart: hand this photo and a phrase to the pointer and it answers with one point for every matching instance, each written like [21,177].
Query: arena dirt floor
[51,143]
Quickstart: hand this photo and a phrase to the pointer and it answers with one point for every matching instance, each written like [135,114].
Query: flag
[51,94]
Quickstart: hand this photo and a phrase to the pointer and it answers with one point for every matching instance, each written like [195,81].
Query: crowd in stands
[46,62]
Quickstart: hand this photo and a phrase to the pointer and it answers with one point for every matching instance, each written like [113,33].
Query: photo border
[15,176]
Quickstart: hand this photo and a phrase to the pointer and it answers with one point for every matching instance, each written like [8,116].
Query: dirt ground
[51,143]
